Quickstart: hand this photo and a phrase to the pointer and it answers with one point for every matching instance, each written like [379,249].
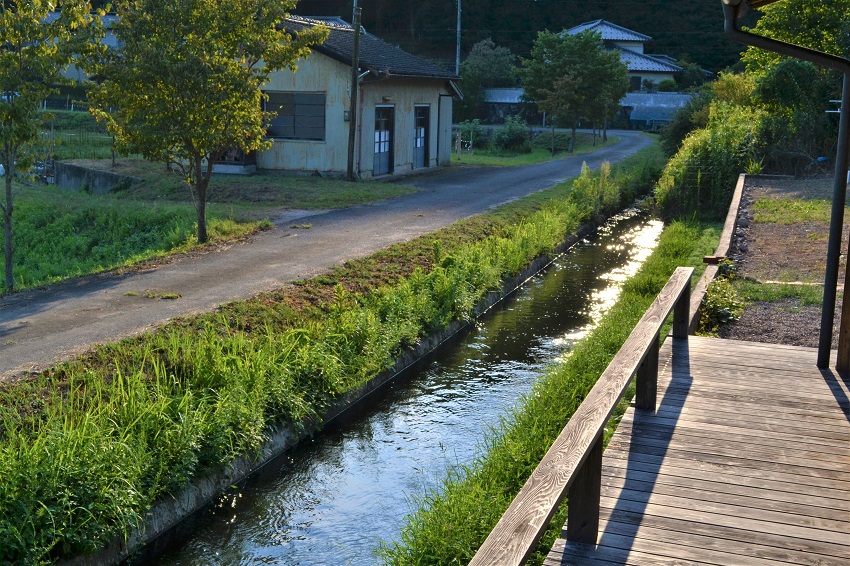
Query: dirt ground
[789,253]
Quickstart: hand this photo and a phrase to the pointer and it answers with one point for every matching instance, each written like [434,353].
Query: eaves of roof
[609,31]
[641,62]
[376,55]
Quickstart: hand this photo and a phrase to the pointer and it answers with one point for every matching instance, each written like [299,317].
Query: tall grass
[58,234]
[451,522]
[86,447]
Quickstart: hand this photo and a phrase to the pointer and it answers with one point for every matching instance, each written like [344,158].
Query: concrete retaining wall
[77,178]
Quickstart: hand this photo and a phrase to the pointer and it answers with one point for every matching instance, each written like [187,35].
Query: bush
[701,177]
[473,133]
[721,305]
[513,136]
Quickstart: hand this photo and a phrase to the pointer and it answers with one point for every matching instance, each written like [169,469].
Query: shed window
[300,115]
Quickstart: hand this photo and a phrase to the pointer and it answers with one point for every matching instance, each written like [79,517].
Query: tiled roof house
[642,66]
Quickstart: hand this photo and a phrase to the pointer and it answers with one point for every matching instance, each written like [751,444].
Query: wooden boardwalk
[746,461]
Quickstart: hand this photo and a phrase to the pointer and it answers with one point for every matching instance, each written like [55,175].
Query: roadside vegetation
[88,446]
[450,523]
[61,234]
[771,118]
[518,144]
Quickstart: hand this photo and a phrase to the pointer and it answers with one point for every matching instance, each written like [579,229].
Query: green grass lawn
[541,152]
[249,194]
[60,234]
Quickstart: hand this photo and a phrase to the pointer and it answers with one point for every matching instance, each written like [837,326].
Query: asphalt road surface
[43,326]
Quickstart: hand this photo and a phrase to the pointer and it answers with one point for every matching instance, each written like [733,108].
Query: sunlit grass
[791,210]
[60,234]
[87,446]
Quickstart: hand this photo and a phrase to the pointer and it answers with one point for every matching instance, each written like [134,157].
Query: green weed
[450,523]
[88,446]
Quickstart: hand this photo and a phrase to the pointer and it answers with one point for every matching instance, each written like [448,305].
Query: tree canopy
[38,44]
[574,77]
[487,66]
[184,88]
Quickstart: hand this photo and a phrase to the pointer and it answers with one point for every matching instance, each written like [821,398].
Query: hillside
[687,29]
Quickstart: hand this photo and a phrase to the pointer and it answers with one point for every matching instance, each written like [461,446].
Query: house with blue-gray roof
[643,67]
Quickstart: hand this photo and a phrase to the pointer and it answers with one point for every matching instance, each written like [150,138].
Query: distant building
[404,112]
[642,67]
[651,111]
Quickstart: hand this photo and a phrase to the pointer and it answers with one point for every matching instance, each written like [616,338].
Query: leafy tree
[487,66]
[37,47]
[573,76]
[185,86]
[820,25]
[690,77]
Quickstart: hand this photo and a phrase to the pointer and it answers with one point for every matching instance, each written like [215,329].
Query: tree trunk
[573,139]
[7,226]
[201,183]
[553,138]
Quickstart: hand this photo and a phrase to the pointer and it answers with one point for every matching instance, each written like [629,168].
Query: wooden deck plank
[745,461]
[664,430]
[636,523]
[729,483]
[769,435]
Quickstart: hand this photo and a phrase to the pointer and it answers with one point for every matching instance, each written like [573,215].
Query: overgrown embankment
[87,447]
[452,521]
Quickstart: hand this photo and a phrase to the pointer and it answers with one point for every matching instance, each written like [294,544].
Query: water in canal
[334,500]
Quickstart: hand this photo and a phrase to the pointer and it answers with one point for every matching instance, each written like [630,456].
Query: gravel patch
[787,253]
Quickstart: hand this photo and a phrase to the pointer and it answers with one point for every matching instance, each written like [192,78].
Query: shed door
[383,140]
[420,136]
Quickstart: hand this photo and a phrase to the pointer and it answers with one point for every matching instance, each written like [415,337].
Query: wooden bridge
[732,453]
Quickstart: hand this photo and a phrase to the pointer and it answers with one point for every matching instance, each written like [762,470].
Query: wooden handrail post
[646,380]
[681,313]
[584,496]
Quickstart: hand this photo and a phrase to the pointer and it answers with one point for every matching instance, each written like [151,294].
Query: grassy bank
[87,447]
[60,234]
[452,521]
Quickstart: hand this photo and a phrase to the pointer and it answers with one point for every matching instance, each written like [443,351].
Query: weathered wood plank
[727,483]
[735,541]
[731,457]
[729,516]
[725,503]
[517,532]
[769,436]
[668,431]
[721,465]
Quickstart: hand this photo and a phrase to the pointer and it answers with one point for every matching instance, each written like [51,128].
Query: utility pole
[457,53]
[355,84]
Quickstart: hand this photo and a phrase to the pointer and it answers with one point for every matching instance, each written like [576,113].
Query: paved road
[43,326]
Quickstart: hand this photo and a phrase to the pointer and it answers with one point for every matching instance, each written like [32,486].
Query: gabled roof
[641,62]
[609,31]
[376,55]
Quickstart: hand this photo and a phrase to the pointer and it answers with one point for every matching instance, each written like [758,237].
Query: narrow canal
[336,499]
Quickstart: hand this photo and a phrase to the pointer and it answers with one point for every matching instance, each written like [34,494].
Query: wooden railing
[573,465]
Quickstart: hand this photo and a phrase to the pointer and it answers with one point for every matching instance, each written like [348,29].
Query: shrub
[721,305]
[472,132]
[513,136]
[701,177]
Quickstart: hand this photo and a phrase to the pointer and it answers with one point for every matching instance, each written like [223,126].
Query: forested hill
[692,29]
